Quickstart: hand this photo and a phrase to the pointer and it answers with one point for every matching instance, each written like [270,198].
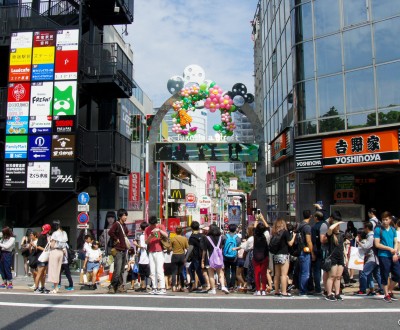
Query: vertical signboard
[134,191]
[41,110]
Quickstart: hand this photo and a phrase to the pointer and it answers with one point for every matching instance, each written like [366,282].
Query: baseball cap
[45,229]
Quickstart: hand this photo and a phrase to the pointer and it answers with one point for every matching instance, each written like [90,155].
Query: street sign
[84,226]
[191,205]
[83,208]
[83,218]
[204,201]
[83,198]
[190,198]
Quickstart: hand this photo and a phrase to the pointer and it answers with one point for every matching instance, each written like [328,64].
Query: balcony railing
[106,63]
[22,17]
[104,151]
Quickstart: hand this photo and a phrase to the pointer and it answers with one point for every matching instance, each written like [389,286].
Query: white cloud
[168,35]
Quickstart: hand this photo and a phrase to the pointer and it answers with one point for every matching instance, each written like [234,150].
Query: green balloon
[203,87]
[233,108]
[229,133]
[217,127]
[212,84]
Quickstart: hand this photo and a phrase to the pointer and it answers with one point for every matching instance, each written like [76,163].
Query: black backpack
[71,255]
[260,249]
[275,243]
[315,235]
[299,242]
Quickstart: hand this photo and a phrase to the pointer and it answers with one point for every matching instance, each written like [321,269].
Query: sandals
[287,295]
[54,291]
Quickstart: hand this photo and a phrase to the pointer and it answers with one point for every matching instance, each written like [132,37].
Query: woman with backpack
[212,259]
[279,246]
[260,258]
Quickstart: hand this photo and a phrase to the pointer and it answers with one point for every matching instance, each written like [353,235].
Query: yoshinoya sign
[381,147]
[308,155]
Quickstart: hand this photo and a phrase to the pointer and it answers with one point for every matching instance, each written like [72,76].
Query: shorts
[280,259]
[388,266]
[91,266]
[42,264]
[144,270]
[240,262]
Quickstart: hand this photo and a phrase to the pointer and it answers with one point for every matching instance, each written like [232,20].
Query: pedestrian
[336,255]
[385,241]
[195,240]
[260,258]
[282,239]
[25,249]
[371,262]
[144,262]
[351,233]
[118,233]
[32,258]
[247,246]
[58,247]
[92,262]
[372,217]
[67,271]
[214,242]
[318,252]
[179,246]
[153,235]
[40,278]
[307,254]
[7,245]
[232,245]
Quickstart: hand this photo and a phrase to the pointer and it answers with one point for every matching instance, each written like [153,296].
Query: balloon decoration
[197,93]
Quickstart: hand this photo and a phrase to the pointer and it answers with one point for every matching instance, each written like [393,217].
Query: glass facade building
[324,69]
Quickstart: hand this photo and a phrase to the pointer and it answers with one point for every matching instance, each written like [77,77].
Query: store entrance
[380,191]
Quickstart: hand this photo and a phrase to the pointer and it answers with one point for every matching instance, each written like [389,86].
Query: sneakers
[257,293]
[392,296]
[3,285]
[290,288]
[387,299]
[37,290]
[352,280]
[111,290]
[122,289]
[331,297]
[33,286]
[161,292]
[360,293]
[371,294]
[339,297]
[10,286]
[141,290]
[212,291]
[44,290]
[154,291]
[69,288]
[225,290]
[263,293]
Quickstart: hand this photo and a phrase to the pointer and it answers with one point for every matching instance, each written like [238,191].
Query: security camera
[116,9]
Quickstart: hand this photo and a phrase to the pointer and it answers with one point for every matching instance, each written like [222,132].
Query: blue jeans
[119,268]
[195,266]
[370,269]
[5,266]
[304,271]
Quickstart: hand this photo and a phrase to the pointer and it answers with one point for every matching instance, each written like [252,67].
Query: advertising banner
[17,125]
[20,56]
[63,147]
[234,214]
[44,38]
[64,124]
[15,175]
[16,147]
[39,147]
[38,175]
[18,99]
[40,107]
[64,103]
[62,175]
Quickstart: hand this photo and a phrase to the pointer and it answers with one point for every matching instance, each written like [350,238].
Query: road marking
[187,297]
[204,310]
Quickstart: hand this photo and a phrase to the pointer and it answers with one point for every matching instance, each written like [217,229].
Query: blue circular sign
[83,218]
[83,198]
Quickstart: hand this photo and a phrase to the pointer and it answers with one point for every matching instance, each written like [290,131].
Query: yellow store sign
[43,55]
[21,56]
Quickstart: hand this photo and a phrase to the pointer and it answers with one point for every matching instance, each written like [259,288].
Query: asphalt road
[21,310]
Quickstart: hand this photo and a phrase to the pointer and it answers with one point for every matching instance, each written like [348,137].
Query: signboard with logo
[204,201]
[177,193]
[190,200]
[16,147]
[39,147]
[62,176]
[15,175]
[134,191]
[63,147]
[20,56]
[66,66]
[18,99]
[63,124]
[374,148]
[38,175]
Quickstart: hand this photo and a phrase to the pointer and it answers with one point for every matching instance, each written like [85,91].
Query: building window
[361,120]
[384,8]
[329,55]
[388,85]
[330,96]
[357,47]
[327,17]
[274,65]
[355,12]
[387,41]
[306,100]
[360,94]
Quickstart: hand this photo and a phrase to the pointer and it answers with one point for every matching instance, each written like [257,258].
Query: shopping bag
[356,259]
[44,256]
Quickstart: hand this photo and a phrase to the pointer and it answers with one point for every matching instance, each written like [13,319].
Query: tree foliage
[242,185]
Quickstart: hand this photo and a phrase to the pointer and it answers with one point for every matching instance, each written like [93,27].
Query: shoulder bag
[44,257]
[127,241]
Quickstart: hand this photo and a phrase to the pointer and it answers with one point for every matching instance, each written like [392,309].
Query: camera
[258,211]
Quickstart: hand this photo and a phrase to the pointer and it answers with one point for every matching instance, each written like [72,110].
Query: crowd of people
[311,256]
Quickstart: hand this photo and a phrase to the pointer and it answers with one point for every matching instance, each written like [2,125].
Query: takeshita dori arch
[196,93]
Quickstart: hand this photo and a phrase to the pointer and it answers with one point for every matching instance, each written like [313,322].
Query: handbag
[326,264]
[127,241]
[166,244]
[44,257]
[25,252]
[32,259]
[356,259]
[135,269]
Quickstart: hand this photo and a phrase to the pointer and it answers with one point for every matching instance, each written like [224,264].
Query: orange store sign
[361,149]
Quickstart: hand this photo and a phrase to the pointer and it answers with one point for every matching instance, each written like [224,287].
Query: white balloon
[194,73]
